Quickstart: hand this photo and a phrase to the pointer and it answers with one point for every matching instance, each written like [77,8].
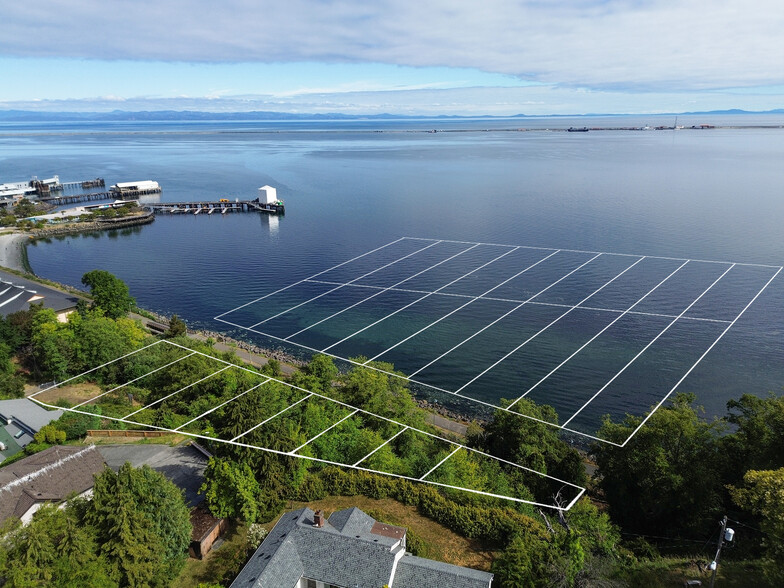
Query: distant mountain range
[185,115]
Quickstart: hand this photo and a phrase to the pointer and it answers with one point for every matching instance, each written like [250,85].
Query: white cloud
[611,44]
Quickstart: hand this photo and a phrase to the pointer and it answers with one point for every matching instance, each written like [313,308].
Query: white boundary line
[464,305]
[439,464]
[382,445]
[487,404]
[712,345]
[177,392]
[580,489]
[97,368]
[432,387]
[601,252]
[269,318]
[414,302]
[517,301]
[292,452]
[543,329]
[204,414]
[343,465]
[651,342]
[381,292]
[268,419]
[596,336]
[134,380]
[310,277]
[503,316]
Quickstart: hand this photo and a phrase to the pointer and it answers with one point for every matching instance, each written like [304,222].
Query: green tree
[177,328]
[763,495]
[50,434]
[525,563]
[109,293]
[532,444]
[758,441]
[24,208]
[53,345]
[142,525]
[665,481]
[231,490]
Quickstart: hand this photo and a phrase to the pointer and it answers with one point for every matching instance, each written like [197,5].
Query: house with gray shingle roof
[52,475]
[350,550]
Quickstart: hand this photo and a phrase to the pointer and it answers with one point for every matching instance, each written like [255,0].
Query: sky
[416,57]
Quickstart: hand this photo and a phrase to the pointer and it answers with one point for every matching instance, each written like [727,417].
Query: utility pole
[715,563]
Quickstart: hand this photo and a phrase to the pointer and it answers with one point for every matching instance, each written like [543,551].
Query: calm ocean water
[350,187]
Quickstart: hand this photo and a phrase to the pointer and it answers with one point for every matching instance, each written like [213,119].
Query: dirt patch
[73,393]
[444,545]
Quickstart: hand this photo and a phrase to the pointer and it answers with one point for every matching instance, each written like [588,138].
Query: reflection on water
[711,195]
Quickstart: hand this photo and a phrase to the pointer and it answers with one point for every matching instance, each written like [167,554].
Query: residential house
[50,476]
[350,550]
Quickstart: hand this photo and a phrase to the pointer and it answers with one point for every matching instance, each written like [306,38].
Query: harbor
[221,206]
[54,194]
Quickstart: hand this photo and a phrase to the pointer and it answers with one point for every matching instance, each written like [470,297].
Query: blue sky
[400,56]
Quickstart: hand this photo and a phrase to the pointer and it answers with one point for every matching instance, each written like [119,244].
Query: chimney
[318,519]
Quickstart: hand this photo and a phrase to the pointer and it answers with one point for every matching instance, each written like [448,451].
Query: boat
[580,130]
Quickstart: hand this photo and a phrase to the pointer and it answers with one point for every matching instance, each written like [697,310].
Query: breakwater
[90,226]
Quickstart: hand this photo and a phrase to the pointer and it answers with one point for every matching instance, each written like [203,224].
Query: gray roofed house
[49,476]
[16,293]
[20,419]
[351,550]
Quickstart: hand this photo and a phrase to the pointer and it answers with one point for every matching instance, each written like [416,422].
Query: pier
[223,206]
[111,194]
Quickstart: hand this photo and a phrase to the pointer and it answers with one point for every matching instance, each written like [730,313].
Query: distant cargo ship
[580,130]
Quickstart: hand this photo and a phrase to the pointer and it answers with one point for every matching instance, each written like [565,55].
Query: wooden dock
[211,207]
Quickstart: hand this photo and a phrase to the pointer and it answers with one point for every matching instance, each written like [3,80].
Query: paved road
[182,465]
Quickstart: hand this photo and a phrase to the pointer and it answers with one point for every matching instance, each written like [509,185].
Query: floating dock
[222,206]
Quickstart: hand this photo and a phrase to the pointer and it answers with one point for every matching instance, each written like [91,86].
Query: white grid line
[382,445]
[530,301]
[177,392]
[464,305]
[134,380]
[310,277]
[542,330]
[518,301]
[434,468]
[348,284]
[503,316]
[268,419]
[343,465]
[204,414]
[596,336]
[580,490]
[431,386]
[411,304]
[95,368]
[712,345]
[592,252]
[378,294]
[644,349]
[383,418]
[324,431]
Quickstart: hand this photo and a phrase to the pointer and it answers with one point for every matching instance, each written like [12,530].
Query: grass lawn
[441,543]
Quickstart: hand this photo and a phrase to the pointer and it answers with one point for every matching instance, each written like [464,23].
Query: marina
[222,206]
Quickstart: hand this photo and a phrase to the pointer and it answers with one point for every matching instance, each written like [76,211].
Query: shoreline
[12,253]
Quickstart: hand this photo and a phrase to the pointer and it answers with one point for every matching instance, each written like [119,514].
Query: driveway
[182,465]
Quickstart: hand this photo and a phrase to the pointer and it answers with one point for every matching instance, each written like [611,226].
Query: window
[310,584]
